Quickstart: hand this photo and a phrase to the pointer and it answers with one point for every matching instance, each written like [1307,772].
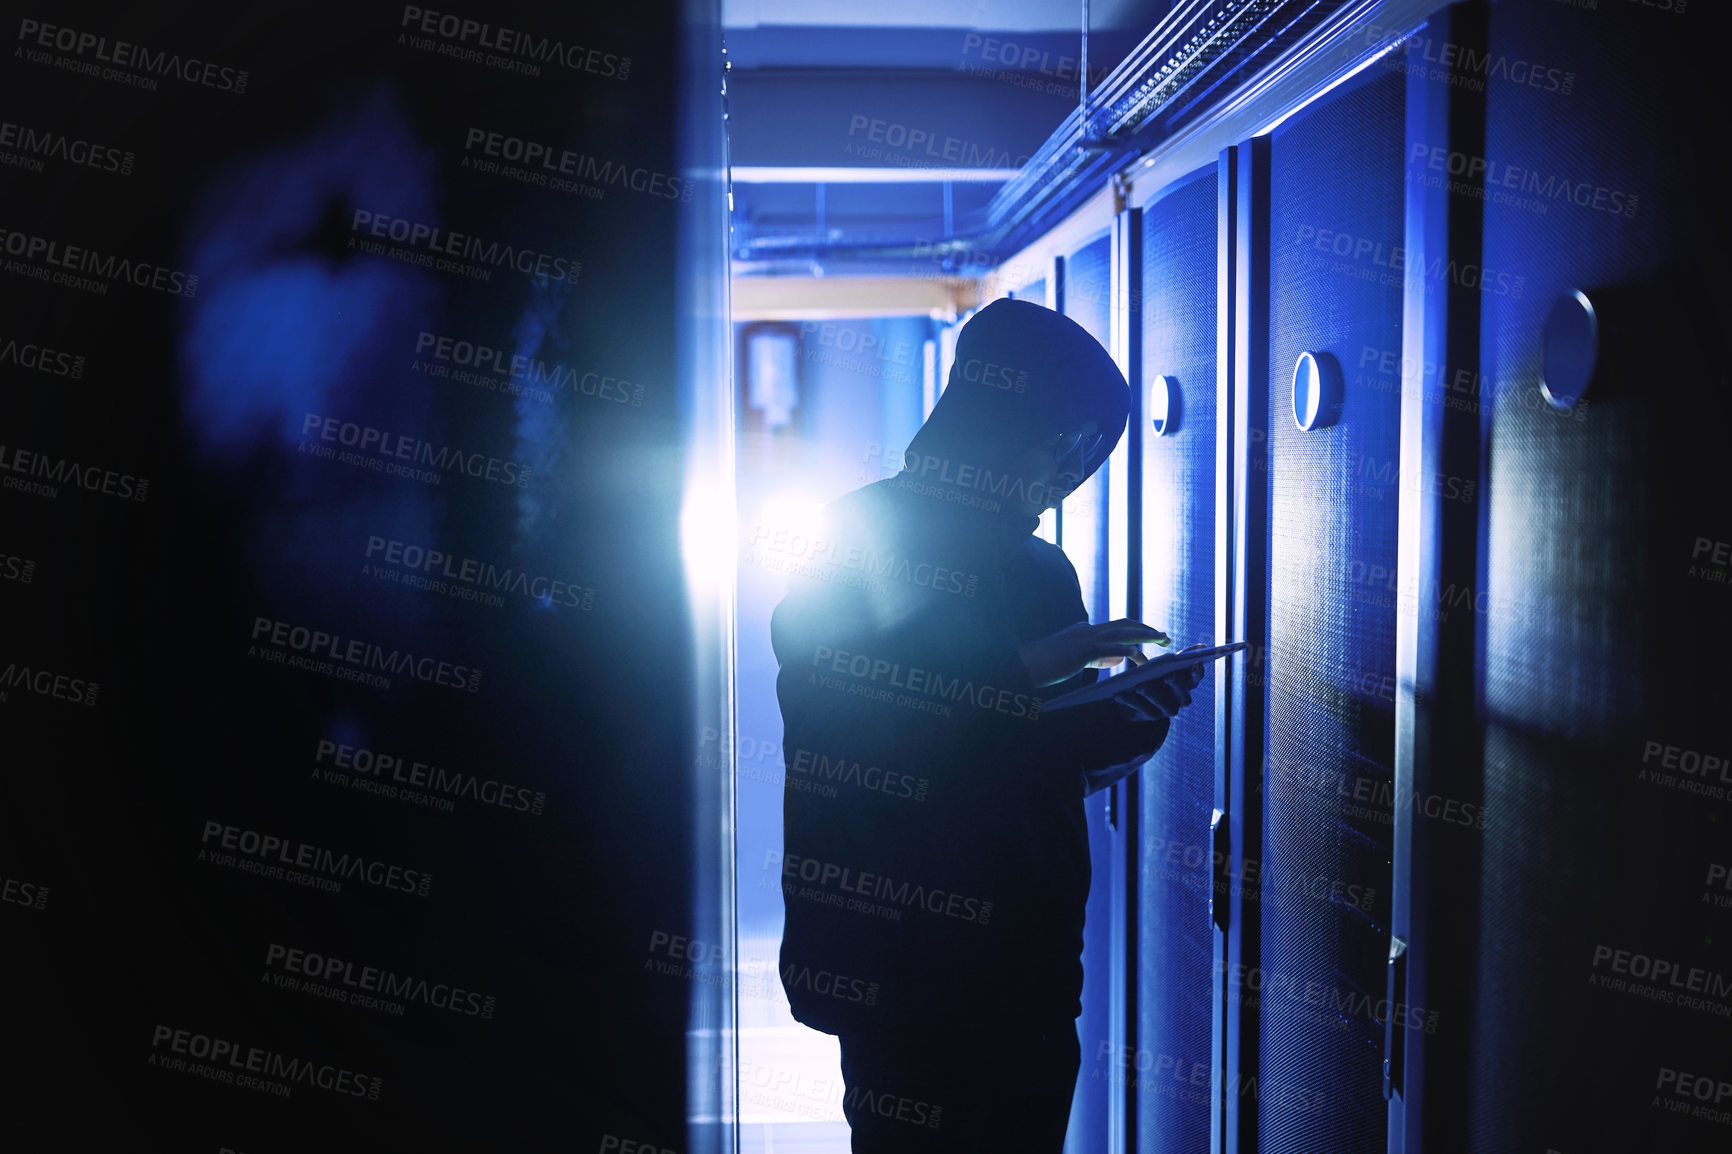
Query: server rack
[1424,819]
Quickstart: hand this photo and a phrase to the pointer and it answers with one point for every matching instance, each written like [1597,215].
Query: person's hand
[1071,650]
[1163,697]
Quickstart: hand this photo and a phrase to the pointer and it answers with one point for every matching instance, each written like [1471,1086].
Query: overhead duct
[1211,72]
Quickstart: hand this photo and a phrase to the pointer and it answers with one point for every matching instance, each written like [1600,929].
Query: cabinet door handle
[1396,992]
[1218,889]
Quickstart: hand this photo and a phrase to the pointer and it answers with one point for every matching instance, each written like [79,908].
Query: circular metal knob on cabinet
[1164,405]
[1570,349]
[1316,390]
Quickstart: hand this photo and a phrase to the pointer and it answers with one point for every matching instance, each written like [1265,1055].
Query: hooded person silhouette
[935,861]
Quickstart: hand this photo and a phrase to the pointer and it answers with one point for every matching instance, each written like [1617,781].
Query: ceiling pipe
[1204,60]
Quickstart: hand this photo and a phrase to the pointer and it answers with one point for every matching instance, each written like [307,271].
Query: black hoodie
[935,865]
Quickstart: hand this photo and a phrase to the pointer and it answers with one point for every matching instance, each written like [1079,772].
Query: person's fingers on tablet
[1127,629]
[1111,655]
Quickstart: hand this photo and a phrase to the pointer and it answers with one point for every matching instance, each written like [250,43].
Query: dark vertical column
[1242,602]
[1438,734]
[1054,286]
[1128,347]
[1126,492]
[1225,1018]
[348,715]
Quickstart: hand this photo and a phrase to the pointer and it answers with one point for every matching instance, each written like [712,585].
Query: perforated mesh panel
[1337,195]
[1087,301]
[1088,288]
[1175,940]
[1592,620]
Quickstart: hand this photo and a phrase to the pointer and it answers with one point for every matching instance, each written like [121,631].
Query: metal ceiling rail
[1204,57]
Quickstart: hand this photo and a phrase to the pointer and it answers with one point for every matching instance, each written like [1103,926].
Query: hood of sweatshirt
[1022,375]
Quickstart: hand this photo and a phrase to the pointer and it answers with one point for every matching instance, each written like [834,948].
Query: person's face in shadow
[1052,469]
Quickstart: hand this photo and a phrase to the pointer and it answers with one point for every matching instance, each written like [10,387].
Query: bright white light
[748,174]
[709,532]
[1047,530]
[792,515]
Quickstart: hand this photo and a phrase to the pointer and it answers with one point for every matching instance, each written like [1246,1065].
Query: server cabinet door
[1594,943]
[1335,297]
[1170,1066]
[1085,297]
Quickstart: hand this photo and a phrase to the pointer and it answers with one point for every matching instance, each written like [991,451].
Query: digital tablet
[1153,669]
